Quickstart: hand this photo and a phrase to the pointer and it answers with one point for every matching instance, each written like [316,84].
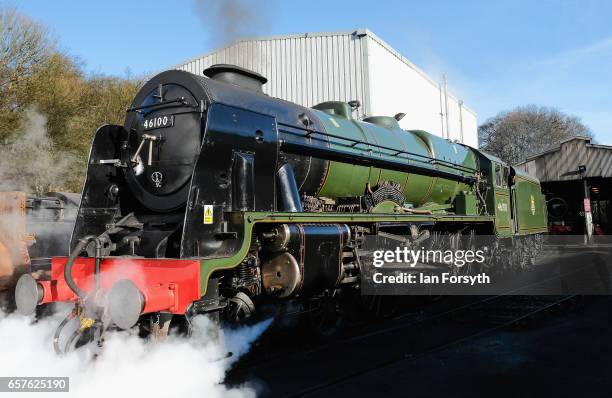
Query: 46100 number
[158,122]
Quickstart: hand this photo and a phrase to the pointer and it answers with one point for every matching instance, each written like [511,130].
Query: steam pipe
[288,194]
[98,261]
[338,155]
[83,242]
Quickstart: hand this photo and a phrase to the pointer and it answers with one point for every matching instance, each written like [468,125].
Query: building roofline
[577,137]
[600,146]
[558,147]
[359,32]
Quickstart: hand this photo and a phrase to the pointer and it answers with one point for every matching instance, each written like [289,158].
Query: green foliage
[36,77]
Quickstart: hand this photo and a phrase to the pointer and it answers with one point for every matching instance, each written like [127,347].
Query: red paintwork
[166,284]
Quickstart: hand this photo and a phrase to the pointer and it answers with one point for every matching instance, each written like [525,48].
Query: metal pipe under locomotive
[214,195]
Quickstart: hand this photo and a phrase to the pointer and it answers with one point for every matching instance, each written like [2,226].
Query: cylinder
[280,275]
[303,258]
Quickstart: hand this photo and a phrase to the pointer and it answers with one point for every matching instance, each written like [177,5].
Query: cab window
[498,175]
[501,176]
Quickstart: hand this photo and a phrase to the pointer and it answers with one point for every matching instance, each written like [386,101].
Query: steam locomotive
[33,228]
[214,197]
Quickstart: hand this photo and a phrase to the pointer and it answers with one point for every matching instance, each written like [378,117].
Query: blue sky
[497,54]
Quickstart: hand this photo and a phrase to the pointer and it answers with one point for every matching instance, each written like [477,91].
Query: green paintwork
[344,180]
[498,199]
[525,176]
[210,265]
[502,212]
[436,208]
[444,191]
[384,136]
[530,206]
[466,203]
[519,209]
[386,206]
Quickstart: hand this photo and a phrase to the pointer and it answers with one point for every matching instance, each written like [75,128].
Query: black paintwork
[287,193]
[318,250]
[221,150]
[177,148]
[230,133]
[236,75]
[97,208]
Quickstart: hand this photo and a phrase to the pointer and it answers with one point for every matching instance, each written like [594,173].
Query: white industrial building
[352,65]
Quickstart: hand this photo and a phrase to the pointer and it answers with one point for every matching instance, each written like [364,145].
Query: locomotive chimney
[236,75]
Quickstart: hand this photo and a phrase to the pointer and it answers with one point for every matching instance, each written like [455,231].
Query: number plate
[158,122]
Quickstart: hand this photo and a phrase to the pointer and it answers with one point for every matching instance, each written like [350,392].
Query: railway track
[414,338]
[415,334]
[475,309]
[491,310]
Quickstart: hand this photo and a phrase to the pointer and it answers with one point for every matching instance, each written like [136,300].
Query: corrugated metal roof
[558,148]
[280,37]
[308,57]
[306,69]
[561,163]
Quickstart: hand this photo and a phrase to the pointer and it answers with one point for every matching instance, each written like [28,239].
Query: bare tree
[528,130]
[23,49]
[49,108]
[23,45]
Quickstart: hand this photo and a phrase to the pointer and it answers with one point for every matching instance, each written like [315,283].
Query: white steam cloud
[129,366]
[29,162]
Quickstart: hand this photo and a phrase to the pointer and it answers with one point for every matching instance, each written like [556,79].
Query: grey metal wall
[552,165]
[307,69]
